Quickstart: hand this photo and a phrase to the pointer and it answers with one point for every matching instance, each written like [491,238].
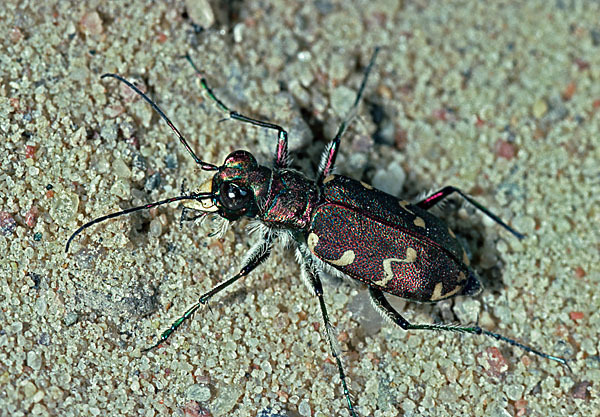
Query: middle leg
[310,274]
[329,156]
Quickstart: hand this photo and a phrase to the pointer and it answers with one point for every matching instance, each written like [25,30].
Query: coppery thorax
[290,200]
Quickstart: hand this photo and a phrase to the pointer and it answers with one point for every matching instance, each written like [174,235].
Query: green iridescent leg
[330,154]
[257,255]
[281,153]
[311,275]
[386,310]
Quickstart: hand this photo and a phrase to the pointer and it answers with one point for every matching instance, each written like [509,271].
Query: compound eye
[233,197]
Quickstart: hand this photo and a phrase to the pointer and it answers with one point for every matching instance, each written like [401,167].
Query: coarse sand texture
[499,99]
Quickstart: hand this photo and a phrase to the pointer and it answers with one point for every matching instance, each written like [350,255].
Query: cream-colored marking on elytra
[411,256]
[312,241]
[403,204]
[466,260]
[346,259]
[367,186]
[451,233]
[328,178]
[437,292]
[419,222]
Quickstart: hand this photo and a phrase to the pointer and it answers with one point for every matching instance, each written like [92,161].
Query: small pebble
[153,182]
[540,107]
[200,12]
[91,23]
[7,223]
[198,392]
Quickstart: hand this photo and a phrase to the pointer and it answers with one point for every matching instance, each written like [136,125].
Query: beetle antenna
[193,196]
[203,165]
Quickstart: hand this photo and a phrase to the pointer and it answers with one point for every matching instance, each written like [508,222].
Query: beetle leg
[328,158]
[310,274]
[257,255]
[438,196]
[386,310]
[281,154]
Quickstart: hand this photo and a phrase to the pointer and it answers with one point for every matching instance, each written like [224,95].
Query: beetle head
[235,188]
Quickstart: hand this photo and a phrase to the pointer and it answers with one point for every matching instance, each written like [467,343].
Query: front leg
[257,255]
[281,153]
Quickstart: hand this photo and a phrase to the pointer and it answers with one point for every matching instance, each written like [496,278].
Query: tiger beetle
[336,225]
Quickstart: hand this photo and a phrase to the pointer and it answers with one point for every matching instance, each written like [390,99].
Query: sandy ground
[501,99]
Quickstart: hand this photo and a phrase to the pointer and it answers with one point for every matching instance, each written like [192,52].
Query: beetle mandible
[336,225]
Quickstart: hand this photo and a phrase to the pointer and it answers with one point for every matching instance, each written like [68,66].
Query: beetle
[336,224]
